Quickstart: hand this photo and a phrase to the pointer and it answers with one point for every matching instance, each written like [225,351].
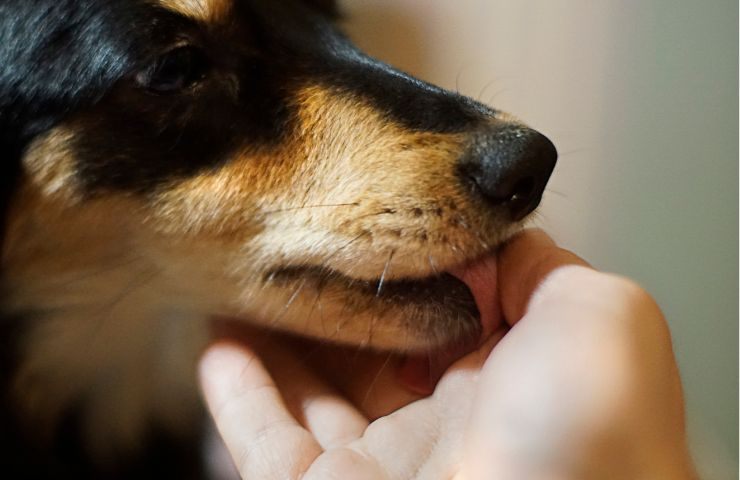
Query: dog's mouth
[459,306]
[442,289]
[462,298]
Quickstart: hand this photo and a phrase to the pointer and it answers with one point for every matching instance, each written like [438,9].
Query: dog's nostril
[510,167]
[519,199]
[523,189]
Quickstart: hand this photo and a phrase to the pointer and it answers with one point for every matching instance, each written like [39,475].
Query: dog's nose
[509,167]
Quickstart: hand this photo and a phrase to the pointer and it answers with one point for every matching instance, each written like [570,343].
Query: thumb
[523,264]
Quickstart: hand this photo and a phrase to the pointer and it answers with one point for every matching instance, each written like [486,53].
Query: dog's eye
[174,71]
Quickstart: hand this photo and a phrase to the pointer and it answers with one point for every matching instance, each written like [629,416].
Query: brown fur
[126,280]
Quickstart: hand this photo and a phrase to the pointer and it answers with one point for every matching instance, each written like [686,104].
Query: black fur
[88,53]
[75,59]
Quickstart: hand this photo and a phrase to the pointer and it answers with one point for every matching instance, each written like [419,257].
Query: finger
[329,416]
[262,436]
[523,264]
[395,447]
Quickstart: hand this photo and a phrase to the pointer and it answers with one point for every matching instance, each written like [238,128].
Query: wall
[641,99]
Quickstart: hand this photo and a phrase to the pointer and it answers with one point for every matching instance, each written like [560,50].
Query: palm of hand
[290,423]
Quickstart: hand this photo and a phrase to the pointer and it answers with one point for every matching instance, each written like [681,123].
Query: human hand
[583,386]
[285,412]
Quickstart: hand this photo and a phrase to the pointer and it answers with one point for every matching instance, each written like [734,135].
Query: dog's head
[249,161]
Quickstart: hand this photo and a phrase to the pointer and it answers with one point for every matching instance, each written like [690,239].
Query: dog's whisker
[432,264]
[556,192]
[137,283]
[322,281]
[375,380]
[485,87]
[536,219]
[345,246]
[319,290]
[457,80]
[306,193]
[385,211]
[106,268]
[346,319]
[571,152]
[496,94]
[303,207]
[290,301]
[385,272]
[371,328]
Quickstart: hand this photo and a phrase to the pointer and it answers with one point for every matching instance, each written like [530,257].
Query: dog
[165,161]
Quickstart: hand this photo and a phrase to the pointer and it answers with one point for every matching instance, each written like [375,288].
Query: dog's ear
[329,8]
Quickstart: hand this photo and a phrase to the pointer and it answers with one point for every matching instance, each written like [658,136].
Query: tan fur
[50,167]
[395,187]
[123,284]
[203,10]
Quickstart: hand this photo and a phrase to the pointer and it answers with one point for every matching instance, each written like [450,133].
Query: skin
[582,383]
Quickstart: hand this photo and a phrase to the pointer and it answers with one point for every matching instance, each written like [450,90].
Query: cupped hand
[288,413]
[583,385]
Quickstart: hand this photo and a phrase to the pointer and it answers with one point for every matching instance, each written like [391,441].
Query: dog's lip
[475,277]
[439,287]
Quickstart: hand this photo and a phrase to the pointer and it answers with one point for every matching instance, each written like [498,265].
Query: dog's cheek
[214,206]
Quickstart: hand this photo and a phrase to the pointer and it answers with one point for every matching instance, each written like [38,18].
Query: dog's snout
[509,167]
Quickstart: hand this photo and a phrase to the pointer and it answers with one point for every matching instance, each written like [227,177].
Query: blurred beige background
[641,98]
